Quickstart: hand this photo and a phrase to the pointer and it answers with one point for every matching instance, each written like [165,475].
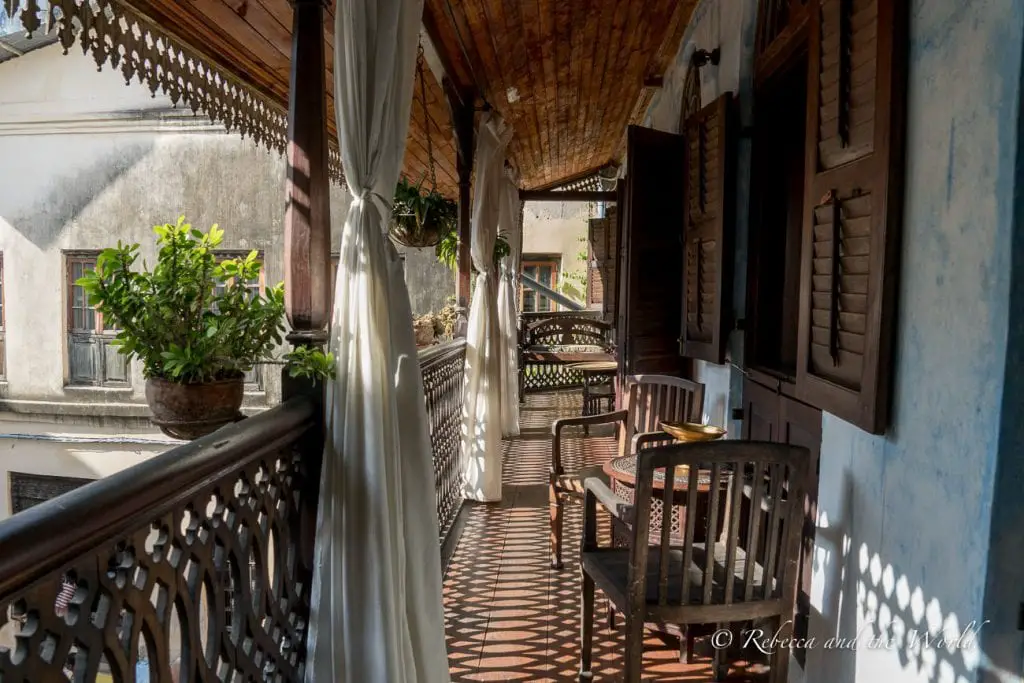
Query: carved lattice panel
[212,590]
[443,372]
[545,376]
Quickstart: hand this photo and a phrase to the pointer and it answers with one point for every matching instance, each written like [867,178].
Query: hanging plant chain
[426,117]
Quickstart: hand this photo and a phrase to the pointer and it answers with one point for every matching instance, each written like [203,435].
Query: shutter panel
[651,261]
[597,248]
[853,202]
[707,232]
[82,359]
[611,262]
[115,364]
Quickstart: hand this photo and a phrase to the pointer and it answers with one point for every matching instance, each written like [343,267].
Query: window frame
[255,383]
[101,335]
[538,260]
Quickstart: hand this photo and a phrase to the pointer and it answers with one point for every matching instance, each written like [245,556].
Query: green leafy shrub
[447,250]
[192,319]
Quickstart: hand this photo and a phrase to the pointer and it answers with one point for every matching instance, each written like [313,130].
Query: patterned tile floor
[509,616]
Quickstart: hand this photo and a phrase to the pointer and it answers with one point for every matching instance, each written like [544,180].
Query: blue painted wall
[906,527]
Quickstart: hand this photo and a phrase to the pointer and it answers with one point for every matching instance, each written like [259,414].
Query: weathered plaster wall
[559,228]
[906,541]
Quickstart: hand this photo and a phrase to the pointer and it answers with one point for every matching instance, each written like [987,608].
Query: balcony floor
[509,617]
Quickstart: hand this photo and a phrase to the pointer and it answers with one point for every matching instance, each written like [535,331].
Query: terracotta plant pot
[189,411]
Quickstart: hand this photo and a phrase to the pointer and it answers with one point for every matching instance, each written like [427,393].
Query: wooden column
[307,220]
[461,107]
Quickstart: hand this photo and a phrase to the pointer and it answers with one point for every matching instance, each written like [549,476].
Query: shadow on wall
[69,194]
[875,625]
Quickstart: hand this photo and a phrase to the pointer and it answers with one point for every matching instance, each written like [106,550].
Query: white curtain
[509,224]
[376,603]
[481,410]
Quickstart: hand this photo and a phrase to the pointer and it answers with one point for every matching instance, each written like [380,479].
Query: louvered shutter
[707,232]
[597,247]
[853,201]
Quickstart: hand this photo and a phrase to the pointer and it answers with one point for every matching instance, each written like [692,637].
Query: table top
[596,366]
[623,469]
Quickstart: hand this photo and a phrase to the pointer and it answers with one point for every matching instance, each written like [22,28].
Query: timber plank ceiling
[567,74]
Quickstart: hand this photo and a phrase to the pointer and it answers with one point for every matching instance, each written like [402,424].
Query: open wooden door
[651,260]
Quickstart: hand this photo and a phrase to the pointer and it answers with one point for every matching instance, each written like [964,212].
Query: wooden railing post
[461,108]
[307,222]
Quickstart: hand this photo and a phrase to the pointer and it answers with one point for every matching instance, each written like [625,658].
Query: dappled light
[509,616]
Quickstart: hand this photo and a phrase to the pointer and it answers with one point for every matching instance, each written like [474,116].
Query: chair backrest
[756,555]
[569,330]
[653,398]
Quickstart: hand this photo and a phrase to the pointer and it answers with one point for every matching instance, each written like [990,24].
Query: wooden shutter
[597,248]
[853,202]
[651,262]
[707,233]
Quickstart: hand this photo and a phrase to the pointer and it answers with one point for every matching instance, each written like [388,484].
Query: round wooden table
[596,376]
[622,474]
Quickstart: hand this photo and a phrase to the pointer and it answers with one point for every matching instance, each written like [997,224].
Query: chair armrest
[613,503]
[599,419]
[557,426]
[645,438]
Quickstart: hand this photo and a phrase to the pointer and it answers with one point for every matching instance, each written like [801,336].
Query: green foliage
[416,210]
[447,249]
[174,319]
[308,362]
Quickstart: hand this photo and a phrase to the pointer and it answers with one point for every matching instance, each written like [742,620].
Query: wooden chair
[649,399]
[692,583]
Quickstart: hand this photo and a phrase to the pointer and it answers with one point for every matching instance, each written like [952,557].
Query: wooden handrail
[48,536]
[438,354]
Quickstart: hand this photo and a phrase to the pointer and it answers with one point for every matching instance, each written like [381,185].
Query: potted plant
[421,218]
[195,325]
[447,249]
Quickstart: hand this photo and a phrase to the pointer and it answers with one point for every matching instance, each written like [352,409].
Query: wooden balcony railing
[443,367]
[195,562]
[195,565]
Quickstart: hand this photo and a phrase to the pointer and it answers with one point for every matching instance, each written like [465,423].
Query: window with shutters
[776,222]
[253,378]
[93,360]
[3,323]
[852,207]
[708,232]
[545,271]
[602,257]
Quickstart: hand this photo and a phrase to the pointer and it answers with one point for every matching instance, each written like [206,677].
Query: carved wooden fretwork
[121,38]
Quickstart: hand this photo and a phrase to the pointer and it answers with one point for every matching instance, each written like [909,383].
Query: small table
[599,378]
[622,474]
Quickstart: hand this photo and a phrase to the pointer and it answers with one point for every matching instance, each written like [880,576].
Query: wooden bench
[549,347]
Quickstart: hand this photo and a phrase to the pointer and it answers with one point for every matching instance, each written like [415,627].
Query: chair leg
[633,665]
[720,661]
[611,616]
[779,661]
[586,626]
[686,646]
[555,509]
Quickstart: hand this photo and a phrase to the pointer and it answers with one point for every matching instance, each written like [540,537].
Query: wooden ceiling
[567,74]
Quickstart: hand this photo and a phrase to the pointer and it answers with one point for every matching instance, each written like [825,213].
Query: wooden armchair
[736,579]
[649,400]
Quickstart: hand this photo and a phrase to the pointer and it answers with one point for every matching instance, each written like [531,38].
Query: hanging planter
[421,219]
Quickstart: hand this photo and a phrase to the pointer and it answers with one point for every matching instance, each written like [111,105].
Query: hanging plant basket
[406,232]
[421,218]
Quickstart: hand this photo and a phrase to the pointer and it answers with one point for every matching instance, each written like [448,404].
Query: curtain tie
[376,198]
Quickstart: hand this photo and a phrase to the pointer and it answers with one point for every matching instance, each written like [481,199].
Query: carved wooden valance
[122,38]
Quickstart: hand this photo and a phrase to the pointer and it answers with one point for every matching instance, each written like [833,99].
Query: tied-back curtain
[376,598]
[509,224]
[482,398]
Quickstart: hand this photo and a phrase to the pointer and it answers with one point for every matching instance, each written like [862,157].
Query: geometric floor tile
[509,616]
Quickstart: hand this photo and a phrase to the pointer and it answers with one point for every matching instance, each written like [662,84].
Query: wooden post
[461,108]
[307,220]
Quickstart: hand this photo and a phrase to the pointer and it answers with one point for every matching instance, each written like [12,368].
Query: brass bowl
[692,432]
